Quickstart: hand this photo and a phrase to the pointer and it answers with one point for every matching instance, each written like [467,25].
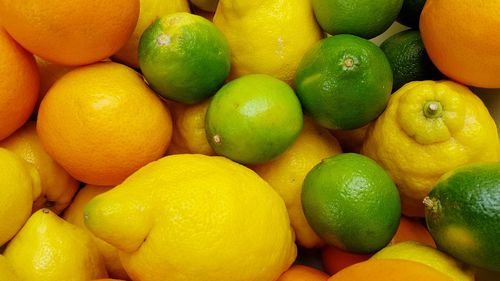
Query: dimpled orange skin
[19,85]
[101,123]
[461,38]
[73,32]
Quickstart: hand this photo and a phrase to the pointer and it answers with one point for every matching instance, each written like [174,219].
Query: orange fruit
[70,32]
[19,85]
[108,279]
[303,273]
[412,230]
[101,123]
[461,38]
[335,259]
[389,270]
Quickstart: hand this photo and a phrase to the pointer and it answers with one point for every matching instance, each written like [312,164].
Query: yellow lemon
[267,36]
[58,187]
[195,217]
[74,215]
[286,175]
[428,129]
[19,186]
[6,271]
[150,10]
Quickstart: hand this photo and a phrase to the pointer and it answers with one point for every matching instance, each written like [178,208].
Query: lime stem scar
[217,139]
[348,62]
[433,109]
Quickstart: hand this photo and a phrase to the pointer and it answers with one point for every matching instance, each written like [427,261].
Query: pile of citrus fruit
[249,140]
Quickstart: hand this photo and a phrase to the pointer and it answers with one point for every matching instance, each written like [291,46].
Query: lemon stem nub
[433,109]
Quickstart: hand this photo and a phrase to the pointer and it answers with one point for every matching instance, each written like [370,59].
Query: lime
[184,57]
[365,18]
[408,58]
[344,82]
[463,214]
[351,203]
[253,119]
[410,13]
[206,5]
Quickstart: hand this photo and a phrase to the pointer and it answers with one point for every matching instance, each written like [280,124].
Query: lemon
[287,172]
[19,186]
[267,36]
[195,217]
[418,252]
[6,271]
[428,129]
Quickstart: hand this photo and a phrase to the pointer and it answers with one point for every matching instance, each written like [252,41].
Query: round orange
[303,273]
[335,259]
[412,230]
[70,32]
[461,38]
[101,123]
[389,270]
[18,86]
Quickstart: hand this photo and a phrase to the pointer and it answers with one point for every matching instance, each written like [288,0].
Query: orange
[101,123]
[335,259]
[412,230]
[389,270]
[461,38]
[107,279]
[18,86]
[303,273]
[70,32]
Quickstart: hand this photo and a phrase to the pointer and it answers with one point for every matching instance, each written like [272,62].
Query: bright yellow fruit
[195,217]
[428,129]
[188,135]
[267,36]
[58,187]
[19,186]
[150,10]
[418,252]
[286,175]
[6,271]
[48,248]
[74,215]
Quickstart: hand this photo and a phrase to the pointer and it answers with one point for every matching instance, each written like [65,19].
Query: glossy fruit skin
[352,203]
[253,119]
[344,82]
[301,272]
[463,214]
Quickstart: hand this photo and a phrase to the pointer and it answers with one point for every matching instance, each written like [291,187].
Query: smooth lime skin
[184,57]
[364,18]
[464,218]
[253,119]
[351,203]
[344,82]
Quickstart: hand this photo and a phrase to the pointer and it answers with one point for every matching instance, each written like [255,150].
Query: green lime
[463,214]
[206,5]
[344,82]
[351,203]
[364,18]
[184,57]
[410,13]
[253,119]
[408,58]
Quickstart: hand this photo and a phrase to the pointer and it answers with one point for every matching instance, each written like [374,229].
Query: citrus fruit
[351,140]
[101,123]
[344,82]
[19,85]
[184,57]
[389,270]
[408,58]
[58,187]
[438,125]
[253,119]
[19,185]
[287,172]
[6,271]
[74,215]
[189,128]
[410,229]
[49,248]
[268,37]
[418,252]
[192,206]
[462,40]
[206,5]
[301,273]
[335,259]
[351,202]
[364,18]
[73,33]
[410,13]
[150,10]
[462,214]
[49,74]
